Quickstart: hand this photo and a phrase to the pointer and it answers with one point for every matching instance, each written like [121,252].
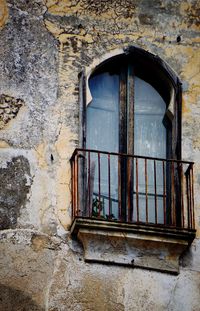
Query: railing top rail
[127,155]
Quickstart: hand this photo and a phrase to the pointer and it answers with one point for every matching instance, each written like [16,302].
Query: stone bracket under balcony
[136,245]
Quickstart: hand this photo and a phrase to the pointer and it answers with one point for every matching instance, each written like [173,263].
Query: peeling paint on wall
[14,187]
[9,108]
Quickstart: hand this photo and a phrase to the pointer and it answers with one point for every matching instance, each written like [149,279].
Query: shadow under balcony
[132,210]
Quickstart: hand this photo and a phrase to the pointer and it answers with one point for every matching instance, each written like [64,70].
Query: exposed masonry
[14,187]
[9,108]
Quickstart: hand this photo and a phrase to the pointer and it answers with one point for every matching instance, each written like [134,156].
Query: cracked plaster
[44,46]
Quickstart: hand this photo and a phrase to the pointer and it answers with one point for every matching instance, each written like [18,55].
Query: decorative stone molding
[148,247]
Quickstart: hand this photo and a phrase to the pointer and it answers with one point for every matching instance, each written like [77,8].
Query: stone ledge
[135,245]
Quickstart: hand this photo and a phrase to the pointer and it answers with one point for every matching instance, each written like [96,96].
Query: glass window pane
[103,113]
[102,134]
[150,137]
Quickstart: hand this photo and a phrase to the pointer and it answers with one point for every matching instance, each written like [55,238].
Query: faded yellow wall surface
[3,13]
[44,46]
[129,25]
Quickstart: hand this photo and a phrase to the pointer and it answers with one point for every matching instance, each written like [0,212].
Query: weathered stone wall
[44,45]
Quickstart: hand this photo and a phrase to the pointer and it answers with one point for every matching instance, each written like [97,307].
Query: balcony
[143,205]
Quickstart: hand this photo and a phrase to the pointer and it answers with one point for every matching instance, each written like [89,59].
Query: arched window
[132,195]
[129,114]
[131,169]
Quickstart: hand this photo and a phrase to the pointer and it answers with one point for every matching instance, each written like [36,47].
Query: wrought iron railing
[132,189]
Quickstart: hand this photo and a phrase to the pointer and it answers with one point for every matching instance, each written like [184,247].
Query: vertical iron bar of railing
[129,174]
[84,184]
[119,189]
[81,183]
[137,198]
[109,198]
[155,191]
[193,215]
[164,192]
[72,187]
[77,184]
[190,196]
[99,184]
[191,199]
[146,188]
[188,201]
[172,195]
[92,180]
[89,186]
[182,197]
[133,184]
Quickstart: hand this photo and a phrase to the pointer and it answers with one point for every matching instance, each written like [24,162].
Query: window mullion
[123,112]
[130,109]
[130,140]
[122,173]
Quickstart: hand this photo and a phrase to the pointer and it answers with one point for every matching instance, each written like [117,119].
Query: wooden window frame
[150,63]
